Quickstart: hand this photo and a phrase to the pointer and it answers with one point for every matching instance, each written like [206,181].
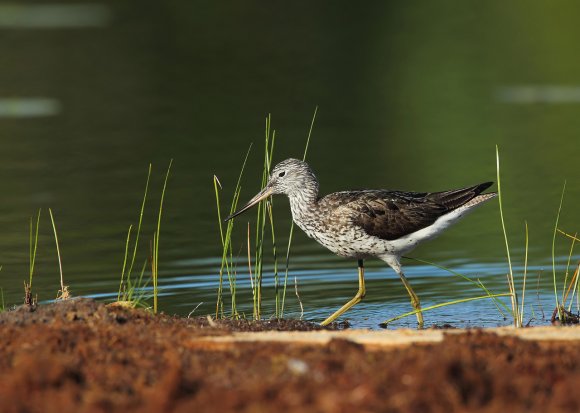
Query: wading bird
[368,223]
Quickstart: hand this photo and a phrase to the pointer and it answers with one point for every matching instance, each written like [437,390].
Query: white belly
[353,242]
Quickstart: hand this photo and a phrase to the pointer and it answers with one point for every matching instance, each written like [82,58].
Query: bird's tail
[465,196]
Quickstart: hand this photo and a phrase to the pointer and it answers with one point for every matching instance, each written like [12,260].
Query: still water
[410,97]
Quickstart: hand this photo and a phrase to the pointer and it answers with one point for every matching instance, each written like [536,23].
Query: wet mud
[83,356]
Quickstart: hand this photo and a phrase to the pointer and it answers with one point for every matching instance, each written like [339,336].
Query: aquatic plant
[155,246]
[558,305]
[573,285]
[29,299]
[517,313]
[270,138]
[227,260]
[64,292]
[132,291]
[560,310]
[287,266]
[563,314]
[265,217]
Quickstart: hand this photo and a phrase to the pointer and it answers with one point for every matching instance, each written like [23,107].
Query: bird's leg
[396,265]
[355,300]
[414,298]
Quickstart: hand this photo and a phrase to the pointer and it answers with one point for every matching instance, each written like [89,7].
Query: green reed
[132,290]
[570,284]
[573,285]
[287,266]
[29,299]
[227,261]
[155,247]
[64,292]
[560,313]
[265,217]
[261,220]
[517,313]
[275,255]
[33,244]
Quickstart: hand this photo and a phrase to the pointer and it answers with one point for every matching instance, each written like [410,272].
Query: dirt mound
[85,357]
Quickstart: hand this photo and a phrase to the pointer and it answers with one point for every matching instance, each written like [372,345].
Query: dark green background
[411,96]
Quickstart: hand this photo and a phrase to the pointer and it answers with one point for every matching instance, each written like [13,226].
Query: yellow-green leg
[355,300]
[396,265]
[414,298]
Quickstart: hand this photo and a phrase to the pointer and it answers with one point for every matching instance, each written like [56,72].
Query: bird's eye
[281,174]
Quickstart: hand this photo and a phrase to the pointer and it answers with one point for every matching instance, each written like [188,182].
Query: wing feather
[393,214]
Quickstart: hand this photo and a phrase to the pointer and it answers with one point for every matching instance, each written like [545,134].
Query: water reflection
[53,16]
[530,94]
[28,107]
[409,96]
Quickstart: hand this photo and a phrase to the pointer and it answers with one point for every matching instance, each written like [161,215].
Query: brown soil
[82,356]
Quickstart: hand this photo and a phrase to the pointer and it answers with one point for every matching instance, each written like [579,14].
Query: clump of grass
[563,314]
[270,138]
[265,216]
[560,310]
[132,289]
[573,285]
[227,262]
[558,305]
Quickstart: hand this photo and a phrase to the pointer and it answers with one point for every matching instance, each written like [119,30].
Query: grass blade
[122,283]
[227,261]
[140,221]
[287,265]
[525,277]
[155,260]
[554,251]
[33,246]
[64,292]
[510,275]
[464,300]
[477,283]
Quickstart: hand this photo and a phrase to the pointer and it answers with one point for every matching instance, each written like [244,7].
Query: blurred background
[410,97]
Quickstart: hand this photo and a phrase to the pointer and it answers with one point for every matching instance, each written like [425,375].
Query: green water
[410,96]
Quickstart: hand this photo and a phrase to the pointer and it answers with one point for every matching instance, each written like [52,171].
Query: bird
[368,223]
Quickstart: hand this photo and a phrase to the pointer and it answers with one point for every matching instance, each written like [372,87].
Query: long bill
[264,193]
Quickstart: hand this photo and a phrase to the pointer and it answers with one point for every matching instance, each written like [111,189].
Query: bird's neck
[303,201]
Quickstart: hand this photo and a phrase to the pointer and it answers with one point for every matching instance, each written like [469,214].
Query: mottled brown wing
[393,214]
[390,215]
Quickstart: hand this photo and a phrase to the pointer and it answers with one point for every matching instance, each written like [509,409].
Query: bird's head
[289,177]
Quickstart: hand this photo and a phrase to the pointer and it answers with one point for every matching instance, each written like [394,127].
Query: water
[410,97]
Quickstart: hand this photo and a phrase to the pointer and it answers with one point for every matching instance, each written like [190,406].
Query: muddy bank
[86,357]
